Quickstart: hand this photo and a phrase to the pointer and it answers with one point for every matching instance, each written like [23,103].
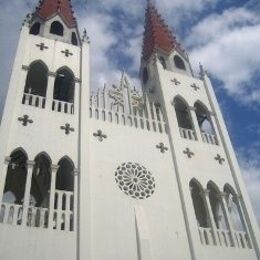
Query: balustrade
[33,100]
[209,138]
[206,236]
[187,133]
[63,107]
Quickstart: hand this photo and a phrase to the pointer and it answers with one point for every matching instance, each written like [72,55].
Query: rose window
[135,180]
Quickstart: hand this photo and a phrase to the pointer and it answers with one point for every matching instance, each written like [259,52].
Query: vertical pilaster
[50,89]
[75,199]
[26,202]
[54,169]
[215,127]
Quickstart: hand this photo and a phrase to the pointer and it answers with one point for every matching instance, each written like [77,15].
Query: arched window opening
[204,119]
[35,29]
[57,28]
[65,175]
[145,75]
[64,86]
[183,114]
[41,179]
[199,204]
[234,209]
[37,79]
[74,39]
[162,61]
[217,206]
[179,63]
[16,178]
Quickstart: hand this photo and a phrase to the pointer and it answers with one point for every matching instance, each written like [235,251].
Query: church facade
[120,173]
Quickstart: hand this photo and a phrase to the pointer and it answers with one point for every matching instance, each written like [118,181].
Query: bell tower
[219,219]
[41,136]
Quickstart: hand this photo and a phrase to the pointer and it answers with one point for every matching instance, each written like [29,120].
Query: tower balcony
[33,100]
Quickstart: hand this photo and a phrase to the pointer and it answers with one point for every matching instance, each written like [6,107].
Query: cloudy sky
[223,35]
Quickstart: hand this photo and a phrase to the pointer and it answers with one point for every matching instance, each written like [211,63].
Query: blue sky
[222,35]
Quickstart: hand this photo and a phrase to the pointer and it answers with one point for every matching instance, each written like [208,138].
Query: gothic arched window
[217,206]
[179,63]
[35,29]
[16,177]
[57,28]
[183,114]
[64,86]
[203,118]
[74,39]
[145,75]
[37,79]
[65,175]
[199,203]
[41,179]
[162,61]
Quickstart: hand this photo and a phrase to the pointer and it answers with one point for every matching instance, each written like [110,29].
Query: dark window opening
[183,114]
[74,39]
[41,179]
[162,61]
[179,63]
[16,178]
[57,28]
[37,79]
[65,175]
[145,75]
[199,204]
[64,86]
[35,29]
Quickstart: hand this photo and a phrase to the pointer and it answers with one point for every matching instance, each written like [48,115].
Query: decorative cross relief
[25,119]
[219,159]
[188,152]
[100,135]
[162,147]
[175,81]
[195,87]
[67,53]
[42,46]
[67,129]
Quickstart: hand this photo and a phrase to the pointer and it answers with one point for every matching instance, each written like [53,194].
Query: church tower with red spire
[41,137]
[116,175]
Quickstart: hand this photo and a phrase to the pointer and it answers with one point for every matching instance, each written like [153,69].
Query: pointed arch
[203,118]
[182,113]
[37,79]
[57,28]
[163,62]
[145,75]
[64,85]
[234,209]
[199,204]
[217,206]
[65,175]
[179,63]
[74,39]
[35,29]
[41,180]
[16,176]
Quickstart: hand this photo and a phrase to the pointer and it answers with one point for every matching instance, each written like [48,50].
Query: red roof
[157,34]
[48,8]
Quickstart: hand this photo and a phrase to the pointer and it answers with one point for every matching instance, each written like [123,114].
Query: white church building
[119,174]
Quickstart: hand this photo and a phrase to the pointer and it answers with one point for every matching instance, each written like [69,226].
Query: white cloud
[227,44]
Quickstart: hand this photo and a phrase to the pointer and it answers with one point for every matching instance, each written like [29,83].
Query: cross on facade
[67,53]
[42,46]
[67,129]
[162,148]
[175,81]
[194,86]
[219,159]
[25,119]
[100,135]
[188,152]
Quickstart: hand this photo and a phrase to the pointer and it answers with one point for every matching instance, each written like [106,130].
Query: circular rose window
[135,180]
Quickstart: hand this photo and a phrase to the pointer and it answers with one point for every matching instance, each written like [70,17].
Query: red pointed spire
[49,8]
[157,34]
